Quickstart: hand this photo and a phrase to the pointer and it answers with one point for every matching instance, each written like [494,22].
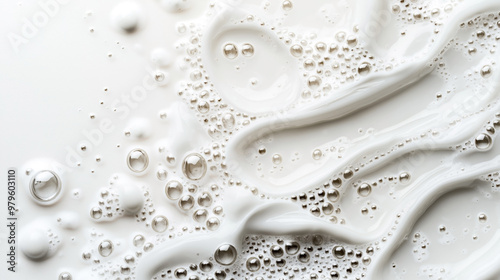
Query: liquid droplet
[225,254]
[137,160]
[194,166]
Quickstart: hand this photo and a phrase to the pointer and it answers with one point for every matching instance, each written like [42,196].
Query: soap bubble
[226,254]
[333,195]
[137,160]
[45,186]
[105,248]
[277,159]
[364,189]
[247,50]
[364,68]
[186,202]
[65,276]
[486,71]
[483,141]
[138,240]
[230,51]
[253,264]
[339,252]
[317,154]
[194,166]
[292,247]
[173,189]
[303,257]
[213,223]
[296,50]
[276,251]
[159,223]
[287,5]
[96,213]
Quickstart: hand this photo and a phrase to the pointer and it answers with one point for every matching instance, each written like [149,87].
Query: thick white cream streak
[247,215]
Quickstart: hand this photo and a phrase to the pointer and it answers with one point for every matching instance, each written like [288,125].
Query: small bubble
[148,247]
[96,213]
[333,195]
[292,248]
[225,254]
[186,202]
[364,68]
[348,173]
[194,166]
[404,177]
[173,189]
[138,240]
[314,82]
[287,5]
[65,276]
[203,107]
[105,248]
[303,257]
[486,71]
[45,186]
[205,199]
[206,266]
[277,159]
[200,215]
[213,223]
[340,36]
[339,252]
[137,160]
[317,154]
[364,189]
[337,182]
[230,51]
[483,141]
[276,251]
[296,50]
[228,121]
[159,223]
[253,264]
[161,173]
[247,50]
[482,217]
[352,41]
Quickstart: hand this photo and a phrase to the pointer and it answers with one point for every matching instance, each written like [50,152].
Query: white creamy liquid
[183,139]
